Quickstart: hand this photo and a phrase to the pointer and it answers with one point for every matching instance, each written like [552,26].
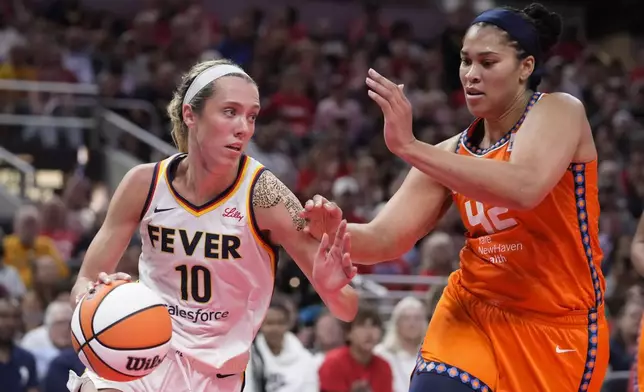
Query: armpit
[270,191]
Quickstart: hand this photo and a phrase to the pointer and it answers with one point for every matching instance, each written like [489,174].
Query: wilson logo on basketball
[232,213]
[137,364]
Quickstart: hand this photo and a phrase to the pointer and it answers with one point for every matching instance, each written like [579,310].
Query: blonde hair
[179,130]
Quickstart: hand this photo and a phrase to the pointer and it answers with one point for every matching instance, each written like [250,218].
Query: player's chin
[478,107]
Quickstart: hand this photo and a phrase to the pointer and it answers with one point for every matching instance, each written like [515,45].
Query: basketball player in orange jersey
[525,311]
[637,258]
[210,219]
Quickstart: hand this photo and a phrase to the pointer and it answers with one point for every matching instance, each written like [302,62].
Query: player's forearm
[497,183]
[343,304]
[371,246]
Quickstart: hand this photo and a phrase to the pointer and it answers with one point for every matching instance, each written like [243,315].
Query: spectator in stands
[268,146]
[346,191]
[404,335]
[438,256]
[58,372]
[26,244]
[338,106]
[55,225]
[46,342]
[10,35]
[355,367]
[17,366]
[623,343]
[10,278]
[46,290]
[291,104]
[279,361]
[328,335]
[17,66]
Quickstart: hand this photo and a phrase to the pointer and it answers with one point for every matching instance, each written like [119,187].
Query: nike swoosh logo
[157,209]
[560,350]
[224,375]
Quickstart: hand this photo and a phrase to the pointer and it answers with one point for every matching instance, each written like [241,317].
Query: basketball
[121,331]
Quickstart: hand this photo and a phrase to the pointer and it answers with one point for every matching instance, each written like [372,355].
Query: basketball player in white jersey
[210,219]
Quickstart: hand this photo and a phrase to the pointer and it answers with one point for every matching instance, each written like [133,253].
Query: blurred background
[83,90]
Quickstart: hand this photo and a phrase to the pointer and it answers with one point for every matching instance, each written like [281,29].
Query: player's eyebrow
[241,105]
[479,54]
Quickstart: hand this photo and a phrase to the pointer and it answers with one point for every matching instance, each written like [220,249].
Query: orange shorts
[491,349]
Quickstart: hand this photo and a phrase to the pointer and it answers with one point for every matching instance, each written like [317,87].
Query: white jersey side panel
[210,265]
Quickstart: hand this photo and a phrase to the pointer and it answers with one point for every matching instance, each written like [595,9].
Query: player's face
[490,72]
[227,122]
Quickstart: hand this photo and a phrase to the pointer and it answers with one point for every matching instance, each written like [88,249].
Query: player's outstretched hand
[396,109]
[103,278]
[332,268]
[322,216]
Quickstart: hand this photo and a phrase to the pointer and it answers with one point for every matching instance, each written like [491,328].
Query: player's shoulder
[561,102]
[142,171]
[140,177]
[267,188]
[450,144]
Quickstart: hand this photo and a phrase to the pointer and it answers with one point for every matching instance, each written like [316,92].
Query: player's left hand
[332,268]
[396,109]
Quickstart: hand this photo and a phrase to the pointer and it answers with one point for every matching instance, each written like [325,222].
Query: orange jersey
[546,259]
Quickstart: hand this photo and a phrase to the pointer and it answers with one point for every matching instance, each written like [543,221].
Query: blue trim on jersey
[579,178]
[474,149]
[153,186]
[443,369]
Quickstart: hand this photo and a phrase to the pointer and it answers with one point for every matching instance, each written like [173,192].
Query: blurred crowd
[319,133]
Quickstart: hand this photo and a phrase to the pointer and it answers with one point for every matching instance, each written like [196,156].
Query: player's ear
[189,116]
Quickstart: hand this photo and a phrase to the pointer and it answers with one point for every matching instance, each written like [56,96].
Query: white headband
[208,76]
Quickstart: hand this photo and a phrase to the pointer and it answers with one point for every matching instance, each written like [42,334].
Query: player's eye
[229,112]
[487,63]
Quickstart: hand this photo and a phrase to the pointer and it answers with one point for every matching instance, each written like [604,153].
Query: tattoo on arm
[270,191]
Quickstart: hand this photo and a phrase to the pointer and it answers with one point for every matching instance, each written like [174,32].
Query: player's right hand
[322,216]
[103,278]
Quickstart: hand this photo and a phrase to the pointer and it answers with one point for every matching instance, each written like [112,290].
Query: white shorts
[175,374]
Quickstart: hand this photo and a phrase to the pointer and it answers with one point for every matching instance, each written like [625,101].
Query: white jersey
[211,266]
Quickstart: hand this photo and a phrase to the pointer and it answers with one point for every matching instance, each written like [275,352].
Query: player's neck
[360,356]
[204,183]
[496,128]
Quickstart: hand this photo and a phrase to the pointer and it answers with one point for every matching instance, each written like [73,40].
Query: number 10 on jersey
[196,283]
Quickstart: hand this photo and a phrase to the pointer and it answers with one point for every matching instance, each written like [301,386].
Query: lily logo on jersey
[232,212]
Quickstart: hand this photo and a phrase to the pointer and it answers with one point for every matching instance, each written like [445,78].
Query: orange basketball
[121,331]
